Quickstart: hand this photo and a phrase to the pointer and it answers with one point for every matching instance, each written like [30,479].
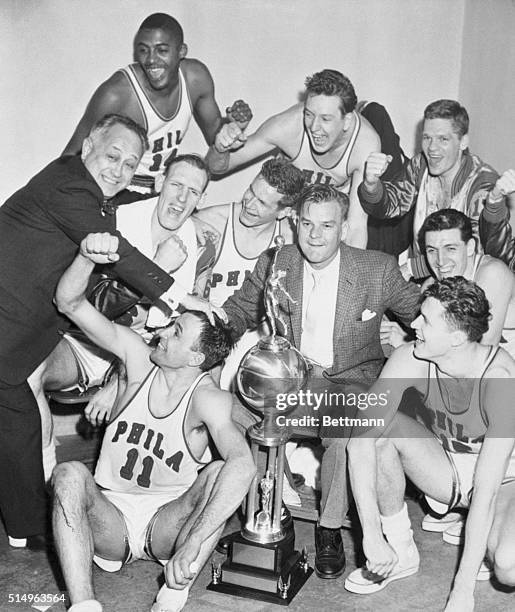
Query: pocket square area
[367,314]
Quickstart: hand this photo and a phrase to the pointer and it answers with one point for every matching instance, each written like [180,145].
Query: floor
[24,574]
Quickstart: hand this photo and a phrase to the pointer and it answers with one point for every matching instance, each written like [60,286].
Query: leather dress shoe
[329,556]
[224,542]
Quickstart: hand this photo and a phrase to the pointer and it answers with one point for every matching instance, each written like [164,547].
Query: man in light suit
[332,302]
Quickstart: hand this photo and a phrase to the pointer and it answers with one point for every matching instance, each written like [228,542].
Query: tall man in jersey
[161,91]
[463,456]
[152,504]
[324,136]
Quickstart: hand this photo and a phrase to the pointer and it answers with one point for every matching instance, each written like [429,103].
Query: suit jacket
[41,226]
[368,280]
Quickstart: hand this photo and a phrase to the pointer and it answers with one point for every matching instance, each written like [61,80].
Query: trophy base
[273,572]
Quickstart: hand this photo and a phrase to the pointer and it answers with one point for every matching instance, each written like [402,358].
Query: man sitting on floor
[464,456]
[147,500]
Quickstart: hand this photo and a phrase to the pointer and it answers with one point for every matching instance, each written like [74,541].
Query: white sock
[17,542]
[49,460]
[398,532]
[88,605]
[170,600]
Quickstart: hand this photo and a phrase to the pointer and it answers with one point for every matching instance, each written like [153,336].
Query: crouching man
[464,456]
[147,499]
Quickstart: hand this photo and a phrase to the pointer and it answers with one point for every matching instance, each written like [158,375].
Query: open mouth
[155,73]
[178,210]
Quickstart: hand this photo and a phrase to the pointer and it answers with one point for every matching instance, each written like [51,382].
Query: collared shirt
[320,289]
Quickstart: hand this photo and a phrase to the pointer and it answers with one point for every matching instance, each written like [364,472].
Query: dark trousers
[22,483]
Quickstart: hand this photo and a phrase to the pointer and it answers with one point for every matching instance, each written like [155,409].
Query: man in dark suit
[333,301]
[41,226]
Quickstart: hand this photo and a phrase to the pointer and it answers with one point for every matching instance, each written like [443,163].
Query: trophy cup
[262,561]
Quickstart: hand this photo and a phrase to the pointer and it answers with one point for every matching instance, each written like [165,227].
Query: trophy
[262,561]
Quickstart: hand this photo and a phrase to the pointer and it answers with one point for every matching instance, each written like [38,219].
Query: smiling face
[177,344]
[442,147]
[159,54]
[181,191]
[324,122]
[260,204]
[111,156]
[320,231]
[434,336]
[447,253]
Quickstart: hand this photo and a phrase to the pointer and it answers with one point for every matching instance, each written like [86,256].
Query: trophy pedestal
[272,572]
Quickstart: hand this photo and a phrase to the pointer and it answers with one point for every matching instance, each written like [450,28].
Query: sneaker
[363,582]
[455,533]
[440,524]
[170,600]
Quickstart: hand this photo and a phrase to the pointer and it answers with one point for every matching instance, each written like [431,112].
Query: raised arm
[232,148]
[71,299]
[111,97]
[202,92]
[358,235]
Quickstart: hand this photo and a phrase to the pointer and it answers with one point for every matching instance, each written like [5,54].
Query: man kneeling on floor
[146,500]
[464,457]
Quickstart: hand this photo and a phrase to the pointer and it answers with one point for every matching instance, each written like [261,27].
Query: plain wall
[402,53]
[487,83]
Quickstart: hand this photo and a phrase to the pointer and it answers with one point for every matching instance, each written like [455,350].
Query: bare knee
[69,478]
[504,565]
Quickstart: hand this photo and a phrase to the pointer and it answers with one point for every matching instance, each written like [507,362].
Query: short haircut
[283,176]
[193,160]
[465,305]
[314,194]
[162,21]
[333,83]
[215,342]
[452,110]
[445,219]
[108,121]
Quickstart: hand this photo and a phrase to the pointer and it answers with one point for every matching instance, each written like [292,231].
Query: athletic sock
[88,605]
[170,600]
[398,532]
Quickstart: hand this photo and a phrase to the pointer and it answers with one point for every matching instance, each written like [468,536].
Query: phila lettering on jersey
[165,134]
[336,175]
[231,266]
[145,454]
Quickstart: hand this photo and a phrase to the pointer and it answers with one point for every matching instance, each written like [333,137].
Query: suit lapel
[346,292]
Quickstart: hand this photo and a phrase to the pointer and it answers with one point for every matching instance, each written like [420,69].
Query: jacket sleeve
[75,210]
[495,233]
[245,308]
[393,198]
[400,296]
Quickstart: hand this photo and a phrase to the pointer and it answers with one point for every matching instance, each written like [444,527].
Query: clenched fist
[171,254]
[504,185]
[375,167]
[240,113]
[100,248]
